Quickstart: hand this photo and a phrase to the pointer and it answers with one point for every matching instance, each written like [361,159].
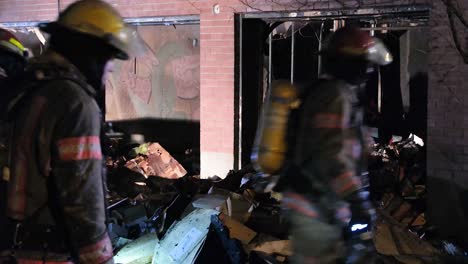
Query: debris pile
[398,185]
[159,213]
[398,181]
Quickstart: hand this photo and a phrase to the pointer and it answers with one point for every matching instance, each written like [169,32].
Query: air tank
[270,146]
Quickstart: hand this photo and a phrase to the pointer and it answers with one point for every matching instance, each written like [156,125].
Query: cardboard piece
[236,206]
[240,207]
[238,230]
[393,240]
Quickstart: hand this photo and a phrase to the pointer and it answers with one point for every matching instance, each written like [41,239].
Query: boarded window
[162,84]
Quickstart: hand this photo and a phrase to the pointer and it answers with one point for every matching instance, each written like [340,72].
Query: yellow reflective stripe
[16,43]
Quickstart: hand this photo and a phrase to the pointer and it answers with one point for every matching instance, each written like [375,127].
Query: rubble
[151,196]
[398,185]
[232,247]
[238,230]
[155,204]
[184,239]
[153,160]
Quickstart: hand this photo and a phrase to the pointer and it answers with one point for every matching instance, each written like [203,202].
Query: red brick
[217,36]
[217,22]
[216,29]
[217,61]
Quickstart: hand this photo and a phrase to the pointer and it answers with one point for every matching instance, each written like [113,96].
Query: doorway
[272,46]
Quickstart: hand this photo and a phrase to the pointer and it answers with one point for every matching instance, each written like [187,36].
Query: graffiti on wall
[162,84]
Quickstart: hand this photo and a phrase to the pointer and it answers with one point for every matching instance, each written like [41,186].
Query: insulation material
[154,160]
[164,83]
[183,241]
[139,251]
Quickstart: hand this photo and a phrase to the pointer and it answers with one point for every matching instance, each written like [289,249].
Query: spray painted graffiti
[164,83]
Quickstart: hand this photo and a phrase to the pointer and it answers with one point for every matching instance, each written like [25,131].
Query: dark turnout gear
[56,178]
[326,152]
[324,168]
[56,201]
[328,139]
[12,63]
[361,208]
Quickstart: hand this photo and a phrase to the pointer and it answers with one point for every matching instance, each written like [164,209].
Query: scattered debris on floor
[153,160]
[159,213]
[398,183]
[182,242]
[154,202]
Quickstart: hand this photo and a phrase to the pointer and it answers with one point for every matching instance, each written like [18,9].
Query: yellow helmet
[11,44]
[98,19]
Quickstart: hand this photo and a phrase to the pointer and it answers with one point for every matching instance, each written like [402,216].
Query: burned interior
[162,206]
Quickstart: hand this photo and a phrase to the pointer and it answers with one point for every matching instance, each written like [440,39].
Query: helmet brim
[379,54]
[54,27]
[49,27]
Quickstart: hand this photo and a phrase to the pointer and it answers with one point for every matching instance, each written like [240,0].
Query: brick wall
[27,10]
[447,128]
[448,102]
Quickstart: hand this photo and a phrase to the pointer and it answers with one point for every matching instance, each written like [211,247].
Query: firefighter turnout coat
[56,180]
[327,152]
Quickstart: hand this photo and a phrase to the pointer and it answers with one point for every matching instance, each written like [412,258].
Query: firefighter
[56,200]
[326,148]
[13,56]
[12,62]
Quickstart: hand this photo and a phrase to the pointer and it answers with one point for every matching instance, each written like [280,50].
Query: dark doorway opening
[274,46]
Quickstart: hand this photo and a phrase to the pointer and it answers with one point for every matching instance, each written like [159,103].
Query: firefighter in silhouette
[12,62]
[55,204]
[326,141]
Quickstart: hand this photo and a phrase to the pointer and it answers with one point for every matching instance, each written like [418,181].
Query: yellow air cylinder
[269,150]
